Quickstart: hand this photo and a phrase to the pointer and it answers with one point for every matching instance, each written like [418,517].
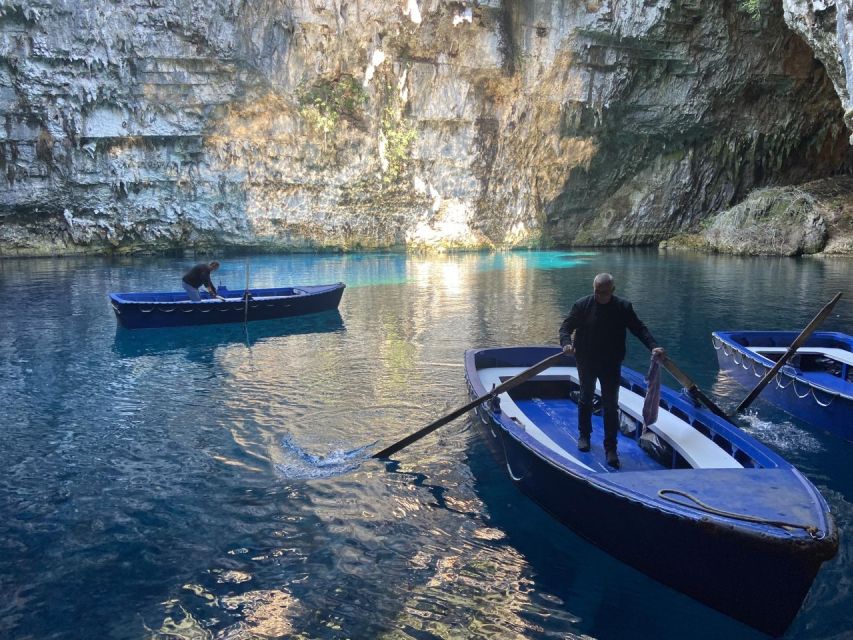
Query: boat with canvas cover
[698,504]
[816,383]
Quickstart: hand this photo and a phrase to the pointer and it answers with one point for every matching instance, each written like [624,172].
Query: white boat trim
[841,355]
[491,378]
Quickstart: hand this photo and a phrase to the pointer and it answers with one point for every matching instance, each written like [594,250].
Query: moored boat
[815,385]
[700,506]
[175,309]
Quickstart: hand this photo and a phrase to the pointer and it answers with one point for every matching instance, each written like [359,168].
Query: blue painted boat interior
[549,403]
[761,492]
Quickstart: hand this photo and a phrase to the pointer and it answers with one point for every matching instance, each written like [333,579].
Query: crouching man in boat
[197,276]
[594,332]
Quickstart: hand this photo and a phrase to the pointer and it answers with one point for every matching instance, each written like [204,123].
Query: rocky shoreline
[813,218]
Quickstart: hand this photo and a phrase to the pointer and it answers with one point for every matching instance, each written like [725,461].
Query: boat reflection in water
[145,342]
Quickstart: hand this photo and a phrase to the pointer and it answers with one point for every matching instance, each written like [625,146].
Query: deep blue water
[216,482]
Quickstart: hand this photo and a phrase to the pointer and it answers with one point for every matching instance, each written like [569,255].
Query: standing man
[595,332]
[197,276]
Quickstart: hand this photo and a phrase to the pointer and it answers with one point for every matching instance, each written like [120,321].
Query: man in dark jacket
[197,276]
[595,332]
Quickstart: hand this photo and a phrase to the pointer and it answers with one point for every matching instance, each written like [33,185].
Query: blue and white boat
[701,506]
[815,385]
[175,309]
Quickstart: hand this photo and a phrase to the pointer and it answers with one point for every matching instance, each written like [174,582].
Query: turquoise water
[216,482]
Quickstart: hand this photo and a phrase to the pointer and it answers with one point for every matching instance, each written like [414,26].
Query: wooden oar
[685,381]
[796,344]
[501,388]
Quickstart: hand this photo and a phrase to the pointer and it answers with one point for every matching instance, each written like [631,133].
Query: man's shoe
[583,443]
[612,458]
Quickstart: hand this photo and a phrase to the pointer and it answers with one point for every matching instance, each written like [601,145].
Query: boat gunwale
[305,291]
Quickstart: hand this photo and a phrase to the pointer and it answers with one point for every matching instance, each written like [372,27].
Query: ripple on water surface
[216,482]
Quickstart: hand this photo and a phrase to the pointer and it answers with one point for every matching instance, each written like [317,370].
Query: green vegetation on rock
[399,136]
[323,104]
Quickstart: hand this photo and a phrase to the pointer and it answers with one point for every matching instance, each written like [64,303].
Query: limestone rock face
[143,125]
[816,217]
[827,27]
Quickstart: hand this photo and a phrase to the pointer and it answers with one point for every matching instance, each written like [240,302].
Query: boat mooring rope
[812,530]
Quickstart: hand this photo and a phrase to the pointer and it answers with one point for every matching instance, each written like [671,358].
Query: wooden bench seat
[842,355]
[700,451]
[497,375]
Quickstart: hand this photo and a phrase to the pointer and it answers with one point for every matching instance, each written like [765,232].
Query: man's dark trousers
[607,373]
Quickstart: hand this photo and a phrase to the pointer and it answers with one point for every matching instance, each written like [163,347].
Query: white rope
[797,393]
[831,398]
[811,390]
[812,530]
[779,384]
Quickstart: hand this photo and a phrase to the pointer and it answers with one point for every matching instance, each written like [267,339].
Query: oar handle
[501,388]
[796,344]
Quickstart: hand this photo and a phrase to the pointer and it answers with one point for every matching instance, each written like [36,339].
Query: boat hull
[826,408]
[155,310]
[756,578]
[760,585]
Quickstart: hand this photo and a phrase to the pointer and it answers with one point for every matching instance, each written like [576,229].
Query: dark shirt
[600,329]
[199,275]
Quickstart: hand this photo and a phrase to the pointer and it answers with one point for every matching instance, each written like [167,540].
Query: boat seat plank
[842,355]
[699,451]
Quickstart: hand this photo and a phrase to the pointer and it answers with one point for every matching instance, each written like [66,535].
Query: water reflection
[133,343]
[154,492]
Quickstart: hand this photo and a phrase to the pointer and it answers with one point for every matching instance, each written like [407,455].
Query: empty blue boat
[816,384]
[175,309]
[698,504]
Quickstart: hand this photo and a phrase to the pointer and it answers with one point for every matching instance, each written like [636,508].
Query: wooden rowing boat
[815,385]
[706,509]
[175,309]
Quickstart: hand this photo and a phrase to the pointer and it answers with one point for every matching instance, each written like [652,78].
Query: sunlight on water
[215,482]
